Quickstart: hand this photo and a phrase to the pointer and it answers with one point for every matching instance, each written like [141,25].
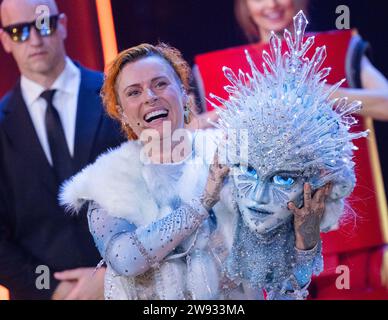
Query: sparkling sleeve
[307,263]
[131,251]
[104,227]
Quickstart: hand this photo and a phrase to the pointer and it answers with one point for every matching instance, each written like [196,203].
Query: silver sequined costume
[156,239]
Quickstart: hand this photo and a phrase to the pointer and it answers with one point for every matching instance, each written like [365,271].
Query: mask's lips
[260,213]
[154,115]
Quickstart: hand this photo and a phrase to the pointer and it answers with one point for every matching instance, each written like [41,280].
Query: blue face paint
[262,200]
[283,180]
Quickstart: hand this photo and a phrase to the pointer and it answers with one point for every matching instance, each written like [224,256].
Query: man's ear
[62,26]
[5,41]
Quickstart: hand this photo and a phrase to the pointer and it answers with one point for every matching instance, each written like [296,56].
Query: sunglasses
[21,32]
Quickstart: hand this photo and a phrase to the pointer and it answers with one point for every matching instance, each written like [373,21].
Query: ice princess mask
[262,200]
[284,129]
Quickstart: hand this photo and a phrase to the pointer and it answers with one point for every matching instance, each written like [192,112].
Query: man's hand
[308,218]
[87,286]
[63,289]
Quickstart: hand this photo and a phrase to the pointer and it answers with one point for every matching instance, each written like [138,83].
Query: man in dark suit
[51,125]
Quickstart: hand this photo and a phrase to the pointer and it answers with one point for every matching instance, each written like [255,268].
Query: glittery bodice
[263,261]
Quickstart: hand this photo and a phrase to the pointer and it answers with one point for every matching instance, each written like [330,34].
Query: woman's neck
[167,150]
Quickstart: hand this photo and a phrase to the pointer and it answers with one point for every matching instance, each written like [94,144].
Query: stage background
[197,26]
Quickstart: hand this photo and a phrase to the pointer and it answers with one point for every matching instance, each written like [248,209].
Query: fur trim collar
[115,181]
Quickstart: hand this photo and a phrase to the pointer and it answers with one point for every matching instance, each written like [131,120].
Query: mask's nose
[260,193]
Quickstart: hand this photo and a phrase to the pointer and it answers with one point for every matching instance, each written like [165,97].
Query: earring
[124,118]
[187,114]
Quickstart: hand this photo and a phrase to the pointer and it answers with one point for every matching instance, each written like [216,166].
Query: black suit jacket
[34,229]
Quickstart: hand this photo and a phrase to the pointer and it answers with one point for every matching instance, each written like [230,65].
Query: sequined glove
[132,251]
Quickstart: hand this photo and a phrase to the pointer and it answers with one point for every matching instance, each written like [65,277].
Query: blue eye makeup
[249,171]
[282,180]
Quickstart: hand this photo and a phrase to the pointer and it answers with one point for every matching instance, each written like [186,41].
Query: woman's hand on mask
[217,173]
[308,218]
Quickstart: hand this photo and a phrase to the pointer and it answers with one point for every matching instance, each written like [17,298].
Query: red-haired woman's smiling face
[151,94]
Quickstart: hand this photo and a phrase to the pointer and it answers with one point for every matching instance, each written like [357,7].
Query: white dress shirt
[65,101]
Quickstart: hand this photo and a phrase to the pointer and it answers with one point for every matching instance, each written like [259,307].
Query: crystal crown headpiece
[291,121]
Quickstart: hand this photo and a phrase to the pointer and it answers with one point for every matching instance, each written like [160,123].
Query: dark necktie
[62,161]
